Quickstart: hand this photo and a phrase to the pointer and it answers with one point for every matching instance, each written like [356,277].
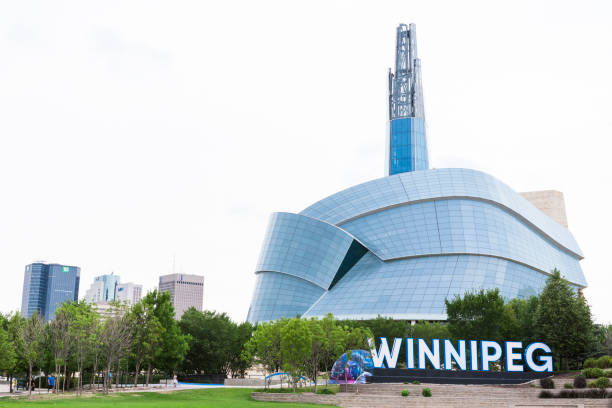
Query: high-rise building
[47,286]
[406,142]
[185,290]
[400,245]
[102,289]
[129,293]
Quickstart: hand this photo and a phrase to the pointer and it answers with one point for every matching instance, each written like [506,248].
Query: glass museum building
[398,246]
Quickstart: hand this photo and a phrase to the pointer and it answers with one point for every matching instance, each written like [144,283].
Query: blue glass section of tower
[407,142]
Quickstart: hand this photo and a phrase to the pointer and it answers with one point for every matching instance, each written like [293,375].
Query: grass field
[214,397]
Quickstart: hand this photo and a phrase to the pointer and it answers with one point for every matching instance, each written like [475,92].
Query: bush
[532,385]
[546,394]
[590,363]
[326,391]
[595,393]
[593,373]
[417,382]
[604,362]
[405,393]
[426,392]
[601,382]
[580,381]
[568,386]
[547,383]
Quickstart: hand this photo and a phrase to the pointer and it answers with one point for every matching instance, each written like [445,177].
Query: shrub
[601,382]
[546,394]
[405,393]
[547,383]
[326,391]
[590,363]
[568,386]
[604,362]
[426,392]
[417,382]
[580,381]
[593,372]
[594,393]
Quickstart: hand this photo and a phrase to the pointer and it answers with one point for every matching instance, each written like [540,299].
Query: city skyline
[137,154]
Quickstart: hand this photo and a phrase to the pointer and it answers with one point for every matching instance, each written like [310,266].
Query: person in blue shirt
[50,383]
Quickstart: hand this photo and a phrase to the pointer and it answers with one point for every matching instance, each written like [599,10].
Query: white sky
[135,131]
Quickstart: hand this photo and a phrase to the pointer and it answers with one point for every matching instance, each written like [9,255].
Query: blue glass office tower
[406,141]
[400,245]
[47,286]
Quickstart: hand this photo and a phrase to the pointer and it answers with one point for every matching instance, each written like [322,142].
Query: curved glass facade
[400,245]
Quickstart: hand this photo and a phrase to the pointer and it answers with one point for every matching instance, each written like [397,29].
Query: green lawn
[213,397]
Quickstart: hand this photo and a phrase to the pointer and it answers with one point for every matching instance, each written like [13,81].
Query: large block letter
[450,353]
[432,356]
[409,353]
[383,353]
[547,360]
[511,355]
[487,357]
[474,355]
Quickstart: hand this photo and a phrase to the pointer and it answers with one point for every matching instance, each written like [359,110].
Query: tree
[563,321]
[32,338]
[318,348]
[334,344]
[82,320]
[429,331]
[238,363]
[7,351]
[172,344]
[211,341]
[147,335]
[265,346]
[14,328]
[296,347]
[476,315]
[115,339]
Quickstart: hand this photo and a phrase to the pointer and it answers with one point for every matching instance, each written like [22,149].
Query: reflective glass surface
[408,145]
[379,194]
[416,288]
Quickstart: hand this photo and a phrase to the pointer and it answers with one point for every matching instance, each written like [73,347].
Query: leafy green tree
[318,347]
[429,331]
[173,344]
[8,355]
[147,334]
[296,347]
[518,321]
[31,334]
[240,363]
[211,341]
[334,344]
[476,315]
[14,327]
[265,346]
[563,321]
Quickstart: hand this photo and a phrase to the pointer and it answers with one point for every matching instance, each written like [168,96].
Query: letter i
[474,355]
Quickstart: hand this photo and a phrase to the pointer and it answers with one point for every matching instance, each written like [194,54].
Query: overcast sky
[136,132]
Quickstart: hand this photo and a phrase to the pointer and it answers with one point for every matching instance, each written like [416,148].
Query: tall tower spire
[406,141]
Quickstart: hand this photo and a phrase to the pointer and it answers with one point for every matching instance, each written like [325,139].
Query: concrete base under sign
[400,375]
[443,396]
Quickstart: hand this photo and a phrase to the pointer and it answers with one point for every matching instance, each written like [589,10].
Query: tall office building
[406,142]
[47,286]
[129,293]
[185,290]
[102,289]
